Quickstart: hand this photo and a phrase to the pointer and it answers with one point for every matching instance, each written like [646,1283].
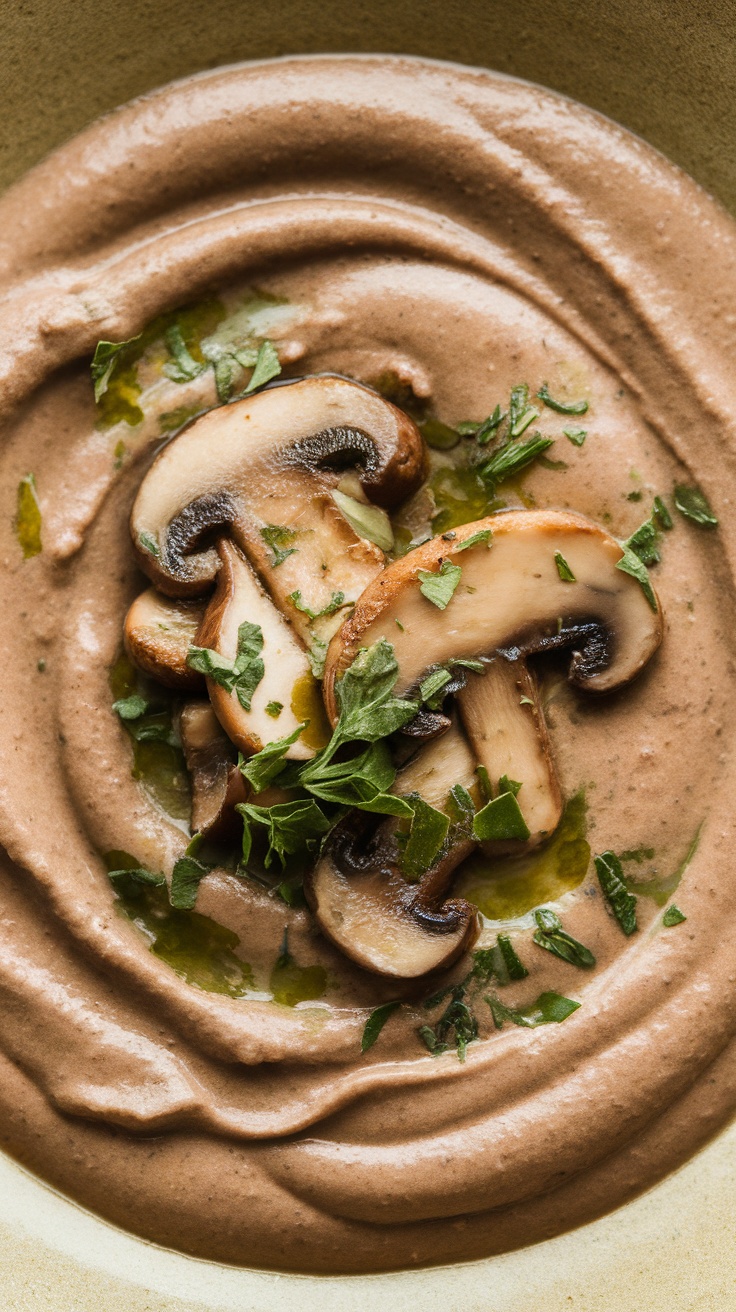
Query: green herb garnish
[439,587]
[149,544]
[131,708]
[291,827]
[512,458]
[274,709]
[428,832]
[575,435]
[267,366]
[484,535]
[611,879]
[631,564]
[501,818]
[276,537]
[561,407]
[375,1024]
[370,522]
[553,938]
[549,1008]
[186,877]
[185,367]
[261,769]
[104,361]
[673,916]
[240,676]
[563,569]
[694,505]
[337,602]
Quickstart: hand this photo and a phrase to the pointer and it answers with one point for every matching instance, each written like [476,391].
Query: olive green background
[664,68]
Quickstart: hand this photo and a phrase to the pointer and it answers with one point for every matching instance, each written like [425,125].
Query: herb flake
[611,879]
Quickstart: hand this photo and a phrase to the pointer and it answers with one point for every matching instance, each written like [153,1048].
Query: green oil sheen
[307,704]
[120,401]
[28,518]
[290,983]
[158,763]
[510,887]
[198,949]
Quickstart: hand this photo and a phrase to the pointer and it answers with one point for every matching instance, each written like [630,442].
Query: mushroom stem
[503,719]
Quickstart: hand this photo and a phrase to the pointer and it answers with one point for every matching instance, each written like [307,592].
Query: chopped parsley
[267,366]
[427,834]
[694,505]
[563,569]
[336,603]
[131,708]
[186,877]
[484,535]
[501,818]
[673,916]
[375,1024]
[611,879]
[241,676]
[512,458]
[561,407]
[104,361]
[575,435]
[550,935]
[184,367]
[631,564]
[277,537]
[549,1008]
[274,709]
[439,587]
[149,544]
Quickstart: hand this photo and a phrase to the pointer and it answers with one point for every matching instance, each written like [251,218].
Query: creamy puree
[466,233]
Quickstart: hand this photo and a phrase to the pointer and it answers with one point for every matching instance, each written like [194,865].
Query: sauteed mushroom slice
[509,603]
[158,634]
[362,901]
[239,598]
[263,471]
[217,784]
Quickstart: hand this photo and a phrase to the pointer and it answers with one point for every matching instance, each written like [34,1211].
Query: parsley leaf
[121,879]
[439,588]
[104,361]
[267,366]
[457,1020]
[240,676]
[367,709]
[367,521]
[435,681]
[291,827]
[694,505]
[563,569]
[575,435]
[551,936]
[483,535]
[337,602]
[274,709]
[484,432]
[427,834]
[611,879]
[149,544]
[673,916]
[500,818]
[276,537]
[261,769]
[131,708]
[549,1008]
[185,367]
[375,1024]
[186,877]
[631,564]
[561,407]
[662,514]
[512,458]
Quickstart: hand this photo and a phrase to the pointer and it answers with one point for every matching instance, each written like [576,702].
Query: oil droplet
[307,704]
[512,886]
[290,983]
[198,949]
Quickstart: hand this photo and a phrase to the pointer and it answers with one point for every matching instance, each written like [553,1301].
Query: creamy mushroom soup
[368,687]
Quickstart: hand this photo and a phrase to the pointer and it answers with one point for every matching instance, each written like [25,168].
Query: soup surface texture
[445,236]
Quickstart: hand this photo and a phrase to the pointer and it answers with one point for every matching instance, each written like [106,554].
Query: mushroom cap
[379,920]
[260,461]
[158,634]
[510,599]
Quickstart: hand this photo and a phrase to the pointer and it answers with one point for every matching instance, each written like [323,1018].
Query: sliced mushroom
[238,598]
[365,905]
[158,634]
[262,471]
[510,603]
[217,784]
